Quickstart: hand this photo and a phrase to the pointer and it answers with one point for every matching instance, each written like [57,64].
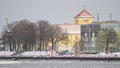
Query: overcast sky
[56,11]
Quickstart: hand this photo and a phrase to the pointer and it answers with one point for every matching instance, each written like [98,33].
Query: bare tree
[106,37]
[42,33]
[27,33]
[81,45]
[56,34]
[23,32]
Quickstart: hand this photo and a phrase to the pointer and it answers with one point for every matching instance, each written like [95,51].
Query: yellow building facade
[74,31]
[73,37]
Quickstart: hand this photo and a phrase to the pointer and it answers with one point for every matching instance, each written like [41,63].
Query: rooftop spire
[110,16]
[97,17]
[83,6]
[6,19]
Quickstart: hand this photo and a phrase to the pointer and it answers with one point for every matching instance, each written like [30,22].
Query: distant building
[84,17]
[111,25]
[73,34]
[86,30]
[89,34]
[74,31]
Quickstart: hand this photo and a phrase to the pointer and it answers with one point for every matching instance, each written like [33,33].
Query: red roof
[84,13]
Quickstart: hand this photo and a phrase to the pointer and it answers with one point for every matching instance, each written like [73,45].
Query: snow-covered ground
[26,54]
[36,53]
[6,53]
[115,54]
[48,53]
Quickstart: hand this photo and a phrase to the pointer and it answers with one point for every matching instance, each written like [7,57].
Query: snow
[36,53]
[117,54]
[9,62]
[27,53]
[6,53]
[48,53]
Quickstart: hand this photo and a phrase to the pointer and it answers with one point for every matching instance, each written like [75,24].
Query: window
[86,20]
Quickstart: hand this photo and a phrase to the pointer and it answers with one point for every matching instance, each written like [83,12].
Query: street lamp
[89,37]
[8,37]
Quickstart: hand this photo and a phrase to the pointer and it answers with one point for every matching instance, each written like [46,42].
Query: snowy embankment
[25,54]
[6,53]
[35,53]
[48,54]
[115,54]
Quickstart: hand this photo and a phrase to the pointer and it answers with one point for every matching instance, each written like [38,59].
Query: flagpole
[97,17]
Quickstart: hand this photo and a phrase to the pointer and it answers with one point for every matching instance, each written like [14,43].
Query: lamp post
[8,37]
[89,38]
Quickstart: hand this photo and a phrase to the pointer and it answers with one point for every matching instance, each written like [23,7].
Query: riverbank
[47,55]
[64,58]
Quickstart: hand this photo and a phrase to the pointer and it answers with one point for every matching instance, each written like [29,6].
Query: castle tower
[84,17]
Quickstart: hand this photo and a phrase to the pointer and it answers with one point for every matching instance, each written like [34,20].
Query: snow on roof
[70,28]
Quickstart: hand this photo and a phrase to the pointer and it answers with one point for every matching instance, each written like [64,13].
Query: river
[34,63]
